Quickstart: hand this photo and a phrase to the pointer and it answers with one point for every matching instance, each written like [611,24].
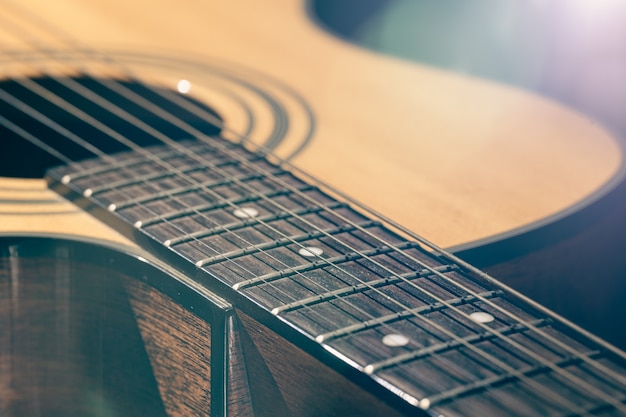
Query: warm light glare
[184,86]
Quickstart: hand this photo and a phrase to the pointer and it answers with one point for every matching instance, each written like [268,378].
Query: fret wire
[320,263]
[208,207]
[251,250]
[429,350]
[135,181]
[177,191]
[132,162]
[499,379]
[429,308]
[246,223]
[102,169]
[356,289]
[198,132]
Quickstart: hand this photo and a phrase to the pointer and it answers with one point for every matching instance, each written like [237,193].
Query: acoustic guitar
[186,231]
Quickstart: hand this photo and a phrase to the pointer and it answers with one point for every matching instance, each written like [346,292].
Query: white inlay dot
[395,340]
[246,212]
[482,317]
[183,86]
[310,251]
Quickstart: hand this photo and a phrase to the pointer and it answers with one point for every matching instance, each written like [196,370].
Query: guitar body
[468,164]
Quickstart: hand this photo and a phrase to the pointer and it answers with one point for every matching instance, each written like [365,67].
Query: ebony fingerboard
[430,330]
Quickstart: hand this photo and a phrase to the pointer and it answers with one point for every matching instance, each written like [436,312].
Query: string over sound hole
[60,112]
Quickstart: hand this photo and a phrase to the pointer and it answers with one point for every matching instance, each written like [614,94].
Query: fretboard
[420,323]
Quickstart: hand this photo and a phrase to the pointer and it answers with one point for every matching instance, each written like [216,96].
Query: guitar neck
[340,282]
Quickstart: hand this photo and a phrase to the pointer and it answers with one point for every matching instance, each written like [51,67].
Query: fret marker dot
[424,403]
[138,224]
[66,179]
[183,86]
[112,207]
[167,243]
[310,251]
[88,192]
[482,317]
[246,212]
[395,340]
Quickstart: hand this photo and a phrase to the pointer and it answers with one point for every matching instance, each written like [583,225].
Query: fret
[251,250]
[337,260]
[101,183]
[161,185]
[234,226]
[181,190]
[378,321]
[185,170]
[479,337]
[483,384]
[432,326]
[464,366]
[123,161]
[209,207]
[139,180]
[498,395]
[319,298]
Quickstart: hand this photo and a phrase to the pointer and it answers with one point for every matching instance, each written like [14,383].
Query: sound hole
[32,111]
